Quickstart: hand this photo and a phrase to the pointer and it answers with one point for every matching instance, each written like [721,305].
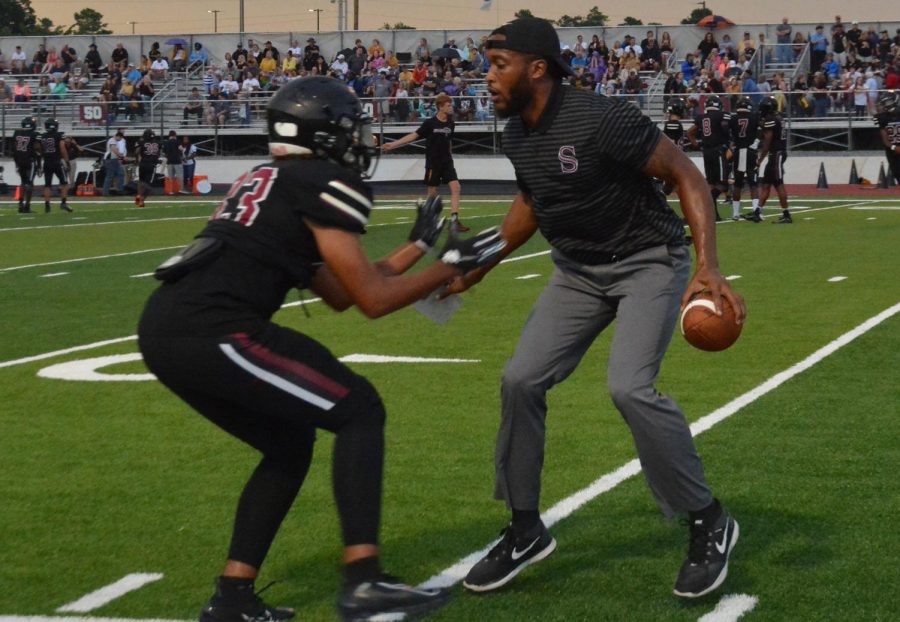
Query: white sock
[755,205]
[735,208]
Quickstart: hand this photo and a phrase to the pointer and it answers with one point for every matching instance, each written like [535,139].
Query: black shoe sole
[408,613]
[489,587]
[722,575]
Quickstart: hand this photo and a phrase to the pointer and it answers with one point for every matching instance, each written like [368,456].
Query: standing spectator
[839,46]
[860,97]
[818,48]
[620,256]
[179,58]
[438,133]
[357,61]
[74,150]
[854,35]
[422,51]
[310,54]
[798,46]
[688,68]
[871,85]
[783,39]
[193,107]
[189,164]
[171,149]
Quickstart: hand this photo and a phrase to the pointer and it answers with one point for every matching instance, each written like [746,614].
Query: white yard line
[730,608]
[55,353]
[109,593]
[82,619]
[53,274]
[79,259]
[126,221]
[607,482]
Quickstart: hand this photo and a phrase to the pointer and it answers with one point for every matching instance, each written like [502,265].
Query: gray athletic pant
[643,293]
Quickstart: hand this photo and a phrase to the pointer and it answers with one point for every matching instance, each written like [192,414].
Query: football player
[772,156]
[147,151]
[207,334]
[56,163]
[888,121]
[674,130]
[744,127]
[27,160]
[712,126]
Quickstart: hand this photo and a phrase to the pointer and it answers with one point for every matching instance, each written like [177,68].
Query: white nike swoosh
[516,554]
[720,547]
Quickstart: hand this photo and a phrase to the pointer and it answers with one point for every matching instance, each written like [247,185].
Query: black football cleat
[784,220]
[388,598]
[754,216]
[706,566]
[65,207]
[509,557]
[240,603]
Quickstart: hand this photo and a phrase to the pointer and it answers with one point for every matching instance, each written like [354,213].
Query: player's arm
[376,294]
[768,136]
[518,226]
[64,152]
[690,135]
[671,165]
[405,140]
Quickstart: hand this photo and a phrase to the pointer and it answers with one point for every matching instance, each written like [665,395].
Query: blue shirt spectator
[750,88]
[818,41]
[198,56]
[687,67]
[831,67]
[133,74]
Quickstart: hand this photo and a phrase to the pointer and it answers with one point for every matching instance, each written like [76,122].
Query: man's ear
[539,68]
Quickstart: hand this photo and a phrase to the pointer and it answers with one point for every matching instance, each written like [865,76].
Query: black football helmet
[676,106]
[888,101]
[769,105]
[149,134]
[744,103]
[51,125]
[713,102]
[321,117]
[29,123]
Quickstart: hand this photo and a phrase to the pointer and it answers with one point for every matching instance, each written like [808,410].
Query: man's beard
[519,97]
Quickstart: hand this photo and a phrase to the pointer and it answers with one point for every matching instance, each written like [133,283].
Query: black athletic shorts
[146,172]
[55,168]
[27,172]
[715,165]
[442,173]
[773,173]
[744,165]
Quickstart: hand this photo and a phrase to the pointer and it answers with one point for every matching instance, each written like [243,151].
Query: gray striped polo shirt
[581,165]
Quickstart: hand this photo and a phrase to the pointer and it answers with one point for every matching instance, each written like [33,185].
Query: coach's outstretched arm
[670,164]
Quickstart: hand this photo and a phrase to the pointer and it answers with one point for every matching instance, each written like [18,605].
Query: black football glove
[429,224]
[480,250]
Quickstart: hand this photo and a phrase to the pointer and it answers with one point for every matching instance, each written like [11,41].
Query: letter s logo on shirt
[568,163]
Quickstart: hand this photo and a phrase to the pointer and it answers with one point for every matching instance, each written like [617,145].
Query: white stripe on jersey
[275,381]
[350,192]
[347,209]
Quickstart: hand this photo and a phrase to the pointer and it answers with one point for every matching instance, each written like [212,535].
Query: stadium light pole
[318,13]
[133,24]
[241,20]
[215,13]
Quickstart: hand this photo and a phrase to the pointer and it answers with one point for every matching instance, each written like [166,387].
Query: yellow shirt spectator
[268,65]
[289,64]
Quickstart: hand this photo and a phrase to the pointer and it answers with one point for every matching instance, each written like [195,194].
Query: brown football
[705,330]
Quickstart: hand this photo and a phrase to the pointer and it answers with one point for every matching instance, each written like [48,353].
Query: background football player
[27,159]
[888,120]
[712,126]
[147,151]
[56,163]
[744,128]
[772,156]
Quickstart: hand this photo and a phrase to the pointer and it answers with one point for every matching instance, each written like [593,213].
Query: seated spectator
[651,59]
[194,106]
[311,53]
[79,74]
[320,66]
[210,79]
[145,64]
[727,44]
[133,74]
[580,61]
[179,58]
[93,60]
[18,61]
[146,89]
[154,53]
[831,67]
[39,59]
[798,45]
[422,51]
[59,88]
[21,92]
[218,107]
[52,57]
[229,85]
[376,49]
[289,63]
[6,93]
[268,48]
[268,64]
[357,61]
[687,67]
[68,56]
[159,69]
[58,71]
[296,50]
[339,66]
[634,88]
[198,58]
[119,58]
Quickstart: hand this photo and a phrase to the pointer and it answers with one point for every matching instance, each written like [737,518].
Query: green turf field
[99,480]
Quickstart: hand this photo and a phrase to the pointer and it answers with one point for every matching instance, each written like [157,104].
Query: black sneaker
[707,563]
[458,227]
[242,604]
[784,220]
[65,207]
[508,558]
[388,599]
[753,217]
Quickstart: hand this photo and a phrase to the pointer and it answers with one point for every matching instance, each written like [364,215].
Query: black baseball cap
[530,35]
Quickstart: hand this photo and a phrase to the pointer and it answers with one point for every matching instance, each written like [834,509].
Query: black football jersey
[149,151]
[889,121]
[744,126]
[25,141]
[439,137]
[712,126]
[674,130]
[773,124]
[263,221]
[50,147]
